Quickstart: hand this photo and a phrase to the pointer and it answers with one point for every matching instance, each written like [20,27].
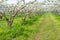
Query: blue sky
[14,1]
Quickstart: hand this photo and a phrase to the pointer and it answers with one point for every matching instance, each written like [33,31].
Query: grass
[18,31]
[45,26]
[51,28]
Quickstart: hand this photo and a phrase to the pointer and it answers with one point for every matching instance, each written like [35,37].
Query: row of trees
[9,11]
[53,5]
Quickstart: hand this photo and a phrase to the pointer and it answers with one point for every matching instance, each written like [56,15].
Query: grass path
[48,29]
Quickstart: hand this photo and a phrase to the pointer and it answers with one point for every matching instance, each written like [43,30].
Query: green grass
[20,30]
[45,25]
[51,28]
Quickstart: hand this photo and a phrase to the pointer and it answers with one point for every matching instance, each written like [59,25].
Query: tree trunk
[9,24]
[24,19]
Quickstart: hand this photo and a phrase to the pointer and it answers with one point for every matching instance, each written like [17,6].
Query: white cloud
[0,0]
[28,0]
[14,1]
[40,0]
[11,1]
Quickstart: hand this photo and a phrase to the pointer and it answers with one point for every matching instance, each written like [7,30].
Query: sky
[14,1]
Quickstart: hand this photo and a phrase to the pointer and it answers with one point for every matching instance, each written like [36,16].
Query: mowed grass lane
[49,28]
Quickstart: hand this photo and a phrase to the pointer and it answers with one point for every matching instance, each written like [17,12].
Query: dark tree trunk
[10,22]
[0,17]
